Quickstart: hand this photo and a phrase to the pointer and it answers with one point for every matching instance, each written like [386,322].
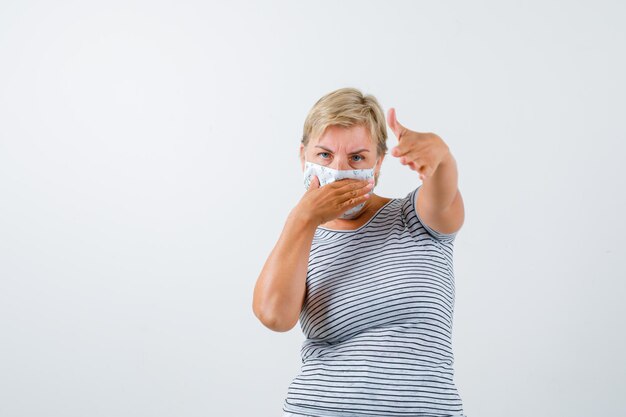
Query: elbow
[273,321]
[279,325]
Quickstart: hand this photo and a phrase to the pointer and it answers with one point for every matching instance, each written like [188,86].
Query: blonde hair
[347,107]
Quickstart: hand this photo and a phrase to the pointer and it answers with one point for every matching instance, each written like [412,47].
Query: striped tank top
[377,317]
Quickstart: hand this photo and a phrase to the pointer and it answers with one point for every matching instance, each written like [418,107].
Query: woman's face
[343,148]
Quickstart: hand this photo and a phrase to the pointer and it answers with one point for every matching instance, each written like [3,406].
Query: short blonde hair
[347,107]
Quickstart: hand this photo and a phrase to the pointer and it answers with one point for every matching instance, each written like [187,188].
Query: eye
[355,160]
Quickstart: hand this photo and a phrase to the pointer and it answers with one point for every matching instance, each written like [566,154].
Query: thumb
[393,123]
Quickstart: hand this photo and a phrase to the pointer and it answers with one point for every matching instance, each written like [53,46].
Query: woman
[369,278]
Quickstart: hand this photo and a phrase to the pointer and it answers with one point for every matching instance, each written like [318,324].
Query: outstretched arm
[439,203]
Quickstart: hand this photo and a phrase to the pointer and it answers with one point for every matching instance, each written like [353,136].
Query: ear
[377,169]
[302,149]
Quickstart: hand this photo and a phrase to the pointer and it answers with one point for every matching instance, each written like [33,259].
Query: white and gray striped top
[378,321]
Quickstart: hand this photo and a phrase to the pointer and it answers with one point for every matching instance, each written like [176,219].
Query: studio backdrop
[149,160]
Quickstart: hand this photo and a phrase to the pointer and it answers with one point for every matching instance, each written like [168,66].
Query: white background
[149,157]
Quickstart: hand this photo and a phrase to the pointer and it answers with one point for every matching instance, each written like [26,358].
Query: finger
[393,123]
[354,190]
[411,155]
[401,149]
[424,171]
[354,201]
[422,166]
[352,194]
[351,183]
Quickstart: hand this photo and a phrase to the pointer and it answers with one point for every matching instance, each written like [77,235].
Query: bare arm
[280,288]
[439,201]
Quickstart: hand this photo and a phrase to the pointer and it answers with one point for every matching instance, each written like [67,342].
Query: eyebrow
[351,153]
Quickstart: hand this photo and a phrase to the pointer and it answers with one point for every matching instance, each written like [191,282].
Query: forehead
[338,136]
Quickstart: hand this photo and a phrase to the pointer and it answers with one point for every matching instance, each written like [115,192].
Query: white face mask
[327,175]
